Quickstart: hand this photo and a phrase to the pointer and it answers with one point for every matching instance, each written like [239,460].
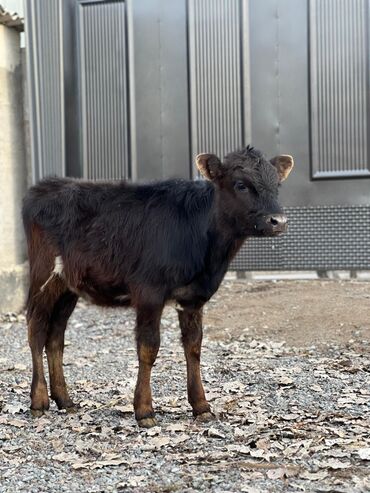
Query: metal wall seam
[103,90]
[45,68]
[339,52]
[216,75]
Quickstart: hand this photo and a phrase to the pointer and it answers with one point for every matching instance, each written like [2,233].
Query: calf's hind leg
[62,310]
[148,341]
[40,306]
[192,334]
[37,333]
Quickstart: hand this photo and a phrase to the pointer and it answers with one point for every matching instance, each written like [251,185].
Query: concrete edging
[13,288]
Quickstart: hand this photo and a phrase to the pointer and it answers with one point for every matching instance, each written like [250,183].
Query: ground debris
[289,417]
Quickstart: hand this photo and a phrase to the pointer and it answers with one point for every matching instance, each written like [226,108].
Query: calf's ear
[284,165]
[209,165]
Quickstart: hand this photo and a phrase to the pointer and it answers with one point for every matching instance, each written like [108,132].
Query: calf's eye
[240,186]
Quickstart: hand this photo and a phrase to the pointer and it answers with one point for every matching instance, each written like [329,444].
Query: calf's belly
[103,296]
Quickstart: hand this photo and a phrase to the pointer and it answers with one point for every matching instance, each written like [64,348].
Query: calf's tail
[41,257]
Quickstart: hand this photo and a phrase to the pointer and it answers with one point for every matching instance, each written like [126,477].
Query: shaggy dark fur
[120,244]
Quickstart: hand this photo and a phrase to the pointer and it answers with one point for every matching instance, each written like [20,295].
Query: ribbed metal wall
[103,90]
[339,53]
[328,237]
[216,75]
[79,100]
[45,59]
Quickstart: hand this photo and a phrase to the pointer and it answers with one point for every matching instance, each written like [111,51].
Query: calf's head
[248,186]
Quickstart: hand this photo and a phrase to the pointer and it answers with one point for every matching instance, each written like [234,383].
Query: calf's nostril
[274,221]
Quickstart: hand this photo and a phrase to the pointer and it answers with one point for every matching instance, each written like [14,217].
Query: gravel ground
[288,417]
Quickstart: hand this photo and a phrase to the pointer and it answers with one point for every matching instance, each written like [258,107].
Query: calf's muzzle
[273,224]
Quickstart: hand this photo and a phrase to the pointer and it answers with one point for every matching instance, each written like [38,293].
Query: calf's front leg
[148,340]
[192,334]
[55,347]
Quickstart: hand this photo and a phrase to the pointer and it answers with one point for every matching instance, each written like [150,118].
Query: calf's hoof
[63,401]
[37,413]
[204,417]
[147,422]
[66,404]
[39,404]
[71,409]
[39,400]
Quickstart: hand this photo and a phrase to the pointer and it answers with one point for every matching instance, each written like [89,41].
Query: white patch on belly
[57,271]
[175,305]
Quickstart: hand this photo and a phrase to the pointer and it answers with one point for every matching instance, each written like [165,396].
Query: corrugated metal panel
[215,34]
[45,61]
[327,237]
[104,108]
[339,45]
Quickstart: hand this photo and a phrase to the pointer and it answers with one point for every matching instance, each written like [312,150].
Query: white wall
[13,172]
